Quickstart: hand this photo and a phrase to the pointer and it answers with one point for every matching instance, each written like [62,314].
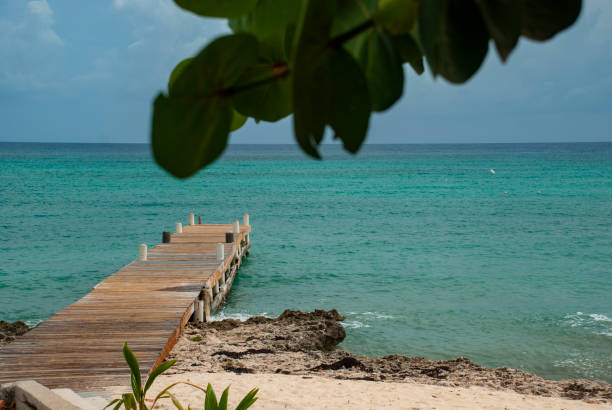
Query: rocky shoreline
[303,344]
[9,331]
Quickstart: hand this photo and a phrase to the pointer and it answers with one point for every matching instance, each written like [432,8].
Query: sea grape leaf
[311,36]
[351,13]
[454,38]
[374,51]
[503,20]
[382,66]
[191,124]
[270,101]
[218,8]
[409,52]
[177,71]
[543,19]
[217,67]
[188,134]
[268,18]
[238,121]
[268,21]
[397,16]
[349,100]
[329,87]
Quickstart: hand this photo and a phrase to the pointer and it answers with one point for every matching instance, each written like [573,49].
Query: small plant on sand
[136,399]
[196,338]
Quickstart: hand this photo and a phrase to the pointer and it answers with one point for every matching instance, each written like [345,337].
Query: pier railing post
[245,220]
[199,220]
[207,301]
[166,237]
[179,227]
[142,252]
[220,252]
[236,226]
[191,219]
[199,310]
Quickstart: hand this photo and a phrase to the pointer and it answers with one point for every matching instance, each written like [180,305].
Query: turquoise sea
[423,249]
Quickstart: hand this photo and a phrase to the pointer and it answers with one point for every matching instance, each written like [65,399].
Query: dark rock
[344,363]
[238,370]
[238,355]
[8,330]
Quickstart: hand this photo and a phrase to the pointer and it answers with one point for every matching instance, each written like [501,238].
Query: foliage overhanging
[330,63]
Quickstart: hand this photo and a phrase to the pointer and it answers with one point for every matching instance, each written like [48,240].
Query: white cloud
[28,47]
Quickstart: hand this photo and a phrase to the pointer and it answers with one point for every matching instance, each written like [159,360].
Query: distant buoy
[492,171]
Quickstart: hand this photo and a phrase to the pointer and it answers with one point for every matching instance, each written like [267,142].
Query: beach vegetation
[136,400]
[196,338]
[329,63]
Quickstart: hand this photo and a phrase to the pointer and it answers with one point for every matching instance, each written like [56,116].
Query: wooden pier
[146,303]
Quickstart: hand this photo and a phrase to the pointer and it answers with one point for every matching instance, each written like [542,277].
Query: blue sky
[87,71]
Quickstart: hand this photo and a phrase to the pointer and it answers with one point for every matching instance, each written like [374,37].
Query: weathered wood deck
[146,304]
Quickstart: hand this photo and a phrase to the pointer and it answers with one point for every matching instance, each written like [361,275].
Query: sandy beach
[292,359]
[277,391]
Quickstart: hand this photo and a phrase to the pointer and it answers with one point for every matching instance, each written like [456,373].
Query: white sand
[297,392]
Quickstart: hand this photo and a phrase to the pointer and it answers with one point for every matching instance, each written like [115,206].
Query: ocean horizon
[423,249]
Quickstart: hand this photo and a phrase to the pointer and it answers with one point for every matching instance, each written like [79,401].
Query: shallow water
[422,248]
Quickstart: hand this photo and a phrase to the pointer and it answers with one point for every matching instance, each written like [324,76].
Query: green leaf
[223,399]
[135,377]
[454,38]
[329,87]
[218,8]
[175,401]
[268,18]
[503,20]
[248,400]
[217,67]
[189,134]
[238,121]
[351,13]
[210,401]
[177,72]
[129,401]
[269,22]
[543,19]
[112,402]
[119,404]
[270,101]
[409,52]
[382,67]
[156,372]
[398,16]
[191,125]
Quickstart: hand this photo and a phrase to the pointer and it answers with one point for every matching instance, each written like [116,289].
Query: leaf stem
[342,38]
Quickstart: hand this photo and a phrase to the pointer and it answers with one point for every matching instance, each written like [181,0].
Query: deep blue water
[422,248]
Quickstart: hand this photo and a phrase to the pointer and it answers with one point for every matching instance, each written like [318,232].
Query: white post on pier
[179,227]
[245,218]
[236,226]
[220,251]
[142,252]
[206,303]
[199,305]
[191,219]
